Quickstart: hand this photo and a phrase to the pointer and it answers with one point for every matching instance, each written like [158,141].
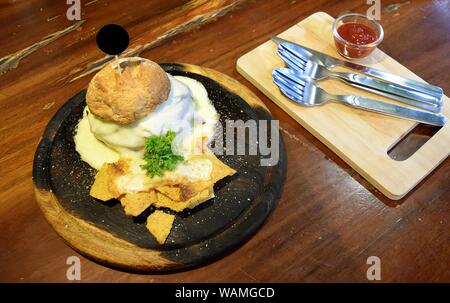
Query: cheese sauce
[91,150]
[136,180]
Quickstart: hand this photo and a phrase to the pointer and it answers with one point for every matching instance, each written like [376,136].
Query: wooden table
[328,220]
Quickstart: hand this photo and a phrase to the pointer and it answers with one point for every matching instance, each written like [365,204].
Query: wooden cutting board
[360,138]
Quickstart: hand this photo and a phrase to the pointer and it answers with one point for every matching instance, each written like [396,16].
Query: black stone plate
[103,232]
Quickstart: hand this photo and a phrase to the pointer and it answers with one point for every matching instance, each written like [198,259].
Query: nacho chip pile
[169,192]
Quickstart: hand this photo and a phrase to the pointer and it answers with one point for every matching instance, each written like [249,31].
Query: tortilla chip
[172,192]
[160,224]
[104,187]
[187,190]
[135,203]
[178,206]
[220,169]
[111,175]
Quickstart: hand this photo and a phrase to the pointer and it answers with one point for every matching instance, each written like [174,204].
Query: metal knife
[401,82]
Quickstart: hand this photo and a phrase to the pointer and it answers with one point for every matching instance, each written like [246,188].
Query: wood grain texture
[12,61]
[181,19]
[329,220]
[360,138]
[96,243]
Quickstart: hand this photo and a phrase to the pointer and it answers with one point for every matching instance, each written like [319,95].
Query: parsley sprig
[159,156]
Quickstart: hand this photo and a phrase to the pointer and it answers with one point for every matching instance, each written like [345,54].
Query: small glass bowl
[351,50]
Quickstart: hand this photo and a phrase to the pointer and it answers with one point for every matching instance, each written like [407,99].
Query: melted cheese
[136,179]
[91,150]
[188,111]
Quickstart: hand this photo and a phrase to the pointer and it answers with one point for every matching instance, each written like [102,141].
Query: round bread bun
[127,90]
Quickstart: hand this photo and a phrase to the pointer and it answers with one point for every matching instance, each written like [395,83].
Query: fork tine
[291,59]
[286,90]
[289,82]
[282,81]
[291,95]
[294,64]
[293,76]
[295,54]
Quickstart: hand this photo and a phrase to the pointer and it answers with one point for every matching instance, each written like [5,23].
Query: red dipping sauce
[355,36]
[357,33]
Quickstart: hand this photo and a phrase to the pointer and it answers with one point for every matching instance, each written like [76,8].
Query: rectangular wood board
[360,138]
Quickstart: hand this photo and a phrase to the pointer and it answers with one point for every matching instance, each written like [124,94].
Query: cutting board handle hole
[412,141]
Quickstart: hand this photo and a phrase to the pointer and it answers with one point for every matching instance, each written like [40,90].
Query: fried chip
[160,224]
[220,169]
[107,179]
[172,192]
[135,203]
[178,206]
[187,190]
[104,187]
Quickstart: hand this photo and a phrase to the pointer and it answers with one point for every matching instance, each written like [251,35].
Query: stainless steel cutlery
[303,90]
[305,66]
[310,67]
[396,83]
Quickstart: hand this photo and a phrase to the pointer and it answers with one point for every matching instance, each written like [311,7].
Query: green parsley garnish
[159,156]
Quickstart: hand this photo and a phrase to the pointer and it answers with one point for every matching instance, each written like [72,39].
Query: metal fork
[318,72]
[307,63]
[304,91]
[395,80]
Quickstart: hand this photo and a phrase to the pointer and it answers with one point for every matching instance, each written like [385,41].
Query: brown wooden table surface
[328,220]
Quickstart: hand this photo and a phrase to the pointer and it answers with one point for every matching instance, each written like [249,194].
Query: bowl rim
[370,45]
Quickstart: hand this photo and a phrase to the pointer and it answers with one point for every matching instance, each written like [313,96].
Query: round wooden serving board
[103,232]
